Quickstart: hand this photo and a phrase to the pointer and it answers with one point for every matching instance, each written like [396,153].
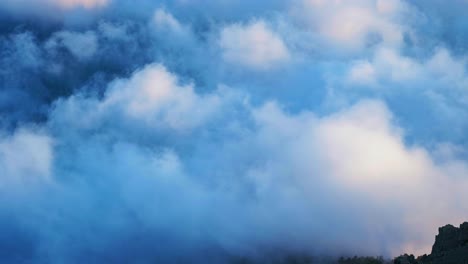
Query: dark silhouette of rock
[450,247]
[463,236]
[446,240]
[405,259]
[362,260]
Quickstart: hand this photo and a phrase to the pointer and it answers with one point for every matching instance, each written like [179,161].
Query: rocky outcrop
[405,259]
[450,247]
[446,240]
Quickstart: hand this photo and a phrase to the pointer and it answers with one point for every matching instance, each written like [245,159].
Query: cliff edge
[450,247]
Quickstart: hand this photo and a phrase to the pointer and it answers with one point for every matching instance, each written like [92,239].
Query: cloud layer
[177,131]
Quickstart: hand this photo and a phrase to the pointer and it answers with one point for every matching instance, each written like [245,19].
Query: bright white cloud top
[253,45]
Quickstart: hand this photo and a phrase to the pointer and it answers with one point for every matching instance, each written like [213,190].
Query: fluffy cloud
[176,125]
[352,27]
[387,64]
[439,79]
[163,20]
[152,96]
[286,165]
[284,177]
[25,158]
[253,45]
[359,154]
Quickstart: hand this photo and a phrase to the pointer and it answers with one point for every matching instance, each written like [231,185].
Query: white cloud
[62,4]
[362,72]
[359,156]
[351,170]
[165,20]
[386,65]
[253,45]
[149,152]
[152,96]
[166,26]
[25,157]
[80,3]
[54,10]
[351,26]
[441,69]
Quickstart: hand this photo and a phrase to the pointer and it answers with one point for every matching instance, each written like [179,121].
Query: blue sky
[169,131]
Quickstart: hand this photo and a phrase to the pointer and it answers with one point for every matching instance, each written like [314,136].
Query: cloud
[283,178]
[152,96]
[205,131]
[26,157]
[52,11]
[362,73]
[352,27]
[62,4]
[359,155]
[434,80]
[82,45]
[80,3]
[253,45]
[389,65]
[162,20]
